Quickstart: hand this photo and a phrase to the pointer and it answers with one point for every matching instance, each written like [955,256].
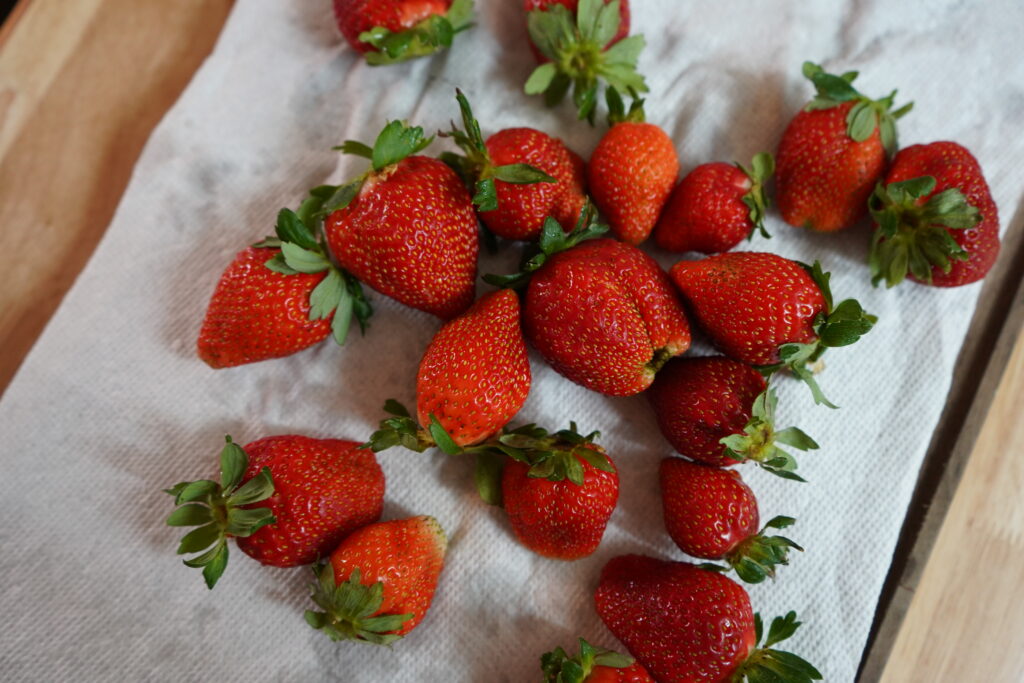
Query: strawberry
[520,176]
[314,492]
[833,152]
[712,514]
[721,412]
[631,172]
[380,581]
[391,31]
[581,44]
[935,218]
[684,623]
[591,665]
[764,309]
[715,207]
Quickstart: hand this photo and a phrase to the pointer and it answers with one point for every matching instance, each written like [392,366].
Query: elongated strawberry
[935,219]
[833,152]
[721,412]
[380,581]
[715,207]
[312,493]
[684,624]
[764,309]
[591,665]
[391,31]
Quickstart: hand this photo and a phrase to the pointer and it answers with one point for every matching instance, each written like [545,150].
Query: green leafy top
[425,38]
[559,667]
[865,115]
[912,234]
[216,510]
[759,440]
[777,666]
[579,58]
[350,609]
[761,169]
[755,558]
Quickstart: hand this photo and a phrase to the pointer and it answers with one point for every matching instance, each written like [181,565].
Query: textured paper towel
[112,405]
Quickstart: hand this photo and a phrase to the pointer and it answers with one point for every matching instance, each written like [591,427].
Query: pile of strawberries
[599,310]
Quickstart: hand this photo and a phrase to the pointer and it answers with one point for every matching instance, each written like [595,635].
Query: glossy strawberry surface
[530,5]
[705,212]
[634,673]
[324,489]
[356,16]
[256,314]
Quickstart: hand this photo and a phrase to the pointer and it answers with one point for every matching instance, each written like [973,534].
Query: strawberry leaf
[304,260]
[441,437]
[233,463]
[396,142]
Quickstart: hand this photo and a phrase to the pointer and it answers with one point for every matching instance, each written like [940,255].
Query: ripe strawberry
[764,309]
[391,31]
[715,207]
[631,172]
[833,152]
[935,218]
[380,581]
[520,176]
[721,412]
[314,493]
[591,665]
[580,44]
[712,514]
[684,624]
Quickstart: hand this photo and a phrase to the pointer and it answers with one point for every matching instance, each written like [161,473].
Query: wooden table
[83,83]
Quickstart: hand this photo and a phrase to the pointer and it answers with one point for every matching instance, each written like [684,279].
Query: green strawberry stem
[350,609]
[425,38]
[617,112]
[759,440]
[913,234]
[755,558]
[760,172]
[576,48]
[216,509]
[766,664]
[559,667]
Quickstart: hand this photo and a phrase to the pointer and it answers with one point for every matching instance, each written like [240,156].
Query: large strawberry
[390,31]
[312,493]
[935,219]
[720,411]
[715,207]
[766,310]
[833,152]
[380,581]
[580,45]
[591,665]
[712,514]
[686,624]
[520,177]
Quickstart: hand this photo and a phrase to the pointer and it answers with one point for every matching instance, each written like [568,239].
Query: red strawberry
[720,412]
[685,624]
[390,31]
[313,493]
[764,309]
[936,219]
[710,513]
[380,581]
[833,152]
[715,207]
[591,665]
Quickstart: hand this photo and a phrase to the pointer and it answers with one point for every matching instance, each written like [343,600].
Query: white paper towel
[112,405]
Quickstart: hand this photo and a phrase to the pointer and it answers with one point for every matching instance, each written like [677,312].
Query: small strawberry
[935,218]
[314,492]
[380,581]
[391,31]
[591,665]
[721,412]
[764,309]
[631,172]
[715,207]
[581,44]
[712,514]
[684,623]
[833,152]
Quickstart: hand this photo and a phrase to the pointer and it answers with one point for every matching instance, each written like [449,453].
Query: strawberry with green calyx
[591,665]
[379,583]
[580,55]
[712,514]
[834,152]
[392,31]
[935,219]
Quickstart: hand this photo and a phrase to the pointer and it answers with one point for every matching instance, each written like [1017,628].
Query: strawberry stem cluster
[759,438]
[559,667]
[767,664]
[425,38]
[350,609]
